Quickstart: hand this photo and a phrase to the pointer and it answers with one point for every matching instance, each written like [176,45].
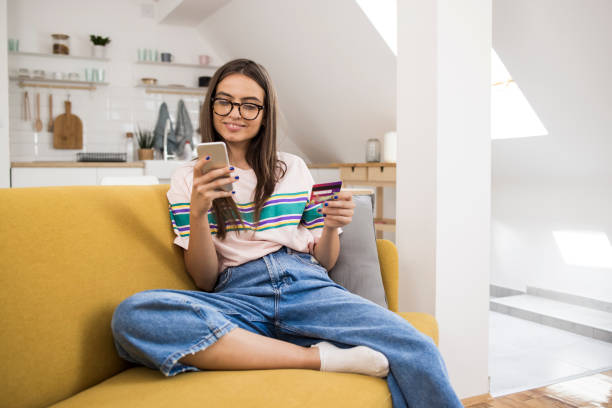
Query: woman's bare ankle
[243,350]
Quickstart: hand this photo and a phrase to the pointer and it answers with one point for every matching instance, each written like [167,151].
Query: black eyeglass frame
[259,107]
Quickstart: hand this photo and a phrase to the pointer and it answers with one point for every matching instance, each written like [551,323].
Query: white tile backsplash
[105,113]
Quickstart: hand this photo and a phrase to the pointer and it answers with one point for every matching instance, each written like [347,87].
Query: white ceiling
[187,12]
[558,53]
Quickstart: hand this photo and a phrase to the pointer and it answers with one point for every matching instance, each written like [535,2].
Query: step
[577,319]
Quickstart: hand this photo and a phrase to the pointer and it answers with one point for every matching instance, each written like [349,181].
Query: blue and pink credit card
[324,191]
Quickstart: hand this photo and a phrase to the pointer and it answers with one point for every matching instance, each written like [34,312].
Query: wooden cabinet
[378,175]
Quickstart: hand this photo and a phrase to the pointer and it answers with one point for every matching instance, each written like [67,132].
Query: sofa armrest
[387,257]
[423,322]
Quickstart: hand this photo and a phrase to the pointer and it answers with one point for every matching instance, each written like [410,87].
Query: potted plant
[98,49]
[146,141]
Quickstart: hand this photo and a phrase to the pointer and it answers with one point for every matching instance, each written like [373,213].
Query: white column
[443,183]
[5,161]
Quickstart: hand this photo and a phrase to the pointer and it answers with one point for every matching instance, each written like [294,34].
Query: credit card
[324,191]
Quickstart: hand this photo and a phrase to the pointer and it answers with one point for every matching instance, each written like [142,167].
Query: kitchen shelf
[57,83]
[36,54]
[384,224]
[174,90]
[174,64]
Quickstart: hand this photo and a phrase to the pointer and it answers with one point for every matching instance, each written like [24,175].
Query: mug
[204,59]
[166,57]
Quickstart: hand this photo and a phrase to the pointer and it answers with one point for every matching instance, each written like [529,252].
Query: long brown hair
[261,154]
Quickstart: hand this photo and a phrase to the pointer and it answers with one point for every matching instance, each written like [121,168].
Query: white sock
[359,359]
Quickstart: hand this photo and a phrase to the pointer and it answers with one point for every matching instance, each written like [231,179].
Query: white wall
[108,112]
[334,74]
[5,162]
[556,52]
[443,184]
[524,250]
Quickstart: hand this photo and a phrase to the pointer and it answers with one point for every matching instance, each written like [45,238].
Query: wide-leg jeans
[288,296]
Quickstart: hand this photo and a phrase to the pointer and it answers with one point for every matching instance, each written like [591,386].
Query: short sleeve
[311,219]
[179,197]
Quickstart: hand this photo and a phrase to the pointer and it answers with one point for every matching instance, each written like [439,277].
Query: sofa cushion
[146,388]
[69,256]
[357,268]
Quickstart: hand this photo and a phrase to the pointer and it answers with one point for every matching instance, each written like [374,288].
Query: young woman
[260,255]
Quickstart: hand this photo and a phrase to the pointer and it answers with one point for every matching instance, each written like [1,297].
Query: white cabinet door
[67,176]
[52,176]
[117,172]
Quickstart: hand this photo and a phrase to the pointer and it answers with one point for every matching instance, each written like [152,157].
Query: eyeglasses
[248,111]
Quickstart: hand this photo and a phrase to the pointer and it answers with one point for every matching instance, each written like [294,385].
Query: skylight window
[383,16]
[511,114]
[584,248]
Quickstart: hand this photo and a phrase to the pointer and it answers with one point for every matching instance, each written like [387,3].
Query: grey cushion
[357,268]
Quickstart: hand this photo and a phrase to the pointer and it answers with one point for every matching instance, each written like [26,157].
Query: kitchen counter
[135,164]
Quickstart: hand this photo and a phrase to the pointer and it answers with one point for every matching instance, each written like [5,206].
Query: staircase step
[577,319]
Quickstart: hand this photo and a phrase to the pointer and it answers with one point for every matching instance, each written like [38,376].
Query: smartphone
[218,158]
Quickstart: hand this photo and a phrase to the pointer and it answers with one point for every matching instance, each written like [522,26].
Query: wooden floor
[592,391]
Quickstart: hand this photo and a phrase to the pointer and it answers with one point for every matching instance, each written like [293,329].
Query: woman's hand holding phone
[207,187]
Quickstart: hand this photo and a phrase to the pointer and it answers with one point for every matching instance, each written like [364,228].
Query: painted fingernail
[237,177]
[335,197]
[207,157]
[232,168]
[326,204]
[318,210]
[233,192]
[325,215]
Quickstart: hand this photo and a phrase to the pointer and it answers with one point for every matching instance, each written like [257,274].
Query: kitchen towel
[162,119]
[183,129]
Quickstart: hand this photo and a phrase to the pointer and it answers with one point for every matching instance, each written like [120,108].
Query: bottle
[129,146]
[373,150]
[187,152]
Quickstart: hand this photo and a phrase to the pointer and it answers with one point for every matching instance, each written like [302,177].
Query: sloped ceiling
[558,51]
[334,75]
[187,12]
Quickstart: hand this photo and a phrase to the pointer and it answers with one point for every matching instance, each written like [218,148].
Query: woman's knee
[131,311]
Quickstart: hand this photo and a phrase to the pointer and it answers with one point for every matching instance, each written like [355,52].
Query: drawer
[353,173]
[381,173]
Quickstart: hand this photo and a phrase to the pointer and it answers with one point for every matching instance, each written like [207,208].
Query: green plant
[99,40]
[145,139]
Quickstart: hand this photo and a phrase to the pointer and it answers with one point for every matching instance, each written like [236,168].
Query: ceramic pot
[98,51]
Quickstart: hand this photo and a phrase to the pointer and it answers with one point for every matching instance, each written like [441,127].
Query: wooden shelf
[57,83]
[60,56]
[384,224]
[174,64]
[338,165]
[174,90]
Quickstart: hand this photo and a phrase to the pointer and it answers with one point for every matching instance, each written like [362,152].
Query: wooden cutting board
[67,130]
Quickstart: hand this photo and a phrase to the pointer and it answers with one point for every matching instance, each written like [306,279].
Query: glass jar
[373,150]
[61,44]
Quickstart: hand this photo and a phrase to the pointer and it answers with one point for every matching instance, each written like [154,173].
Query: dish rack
[101,157]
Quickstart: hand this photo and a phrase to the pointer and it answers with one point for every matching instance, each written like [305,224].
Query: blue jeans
[288,296]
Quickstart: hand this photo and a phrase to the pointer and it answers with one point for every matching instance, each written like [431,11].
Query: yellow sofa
[70,255]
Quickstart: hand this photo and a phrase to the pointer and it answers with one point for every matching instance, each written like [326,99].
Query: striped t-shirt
[287,218]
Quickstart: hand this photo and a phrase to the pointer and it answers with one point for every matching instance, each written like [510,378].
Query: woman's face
[233,128]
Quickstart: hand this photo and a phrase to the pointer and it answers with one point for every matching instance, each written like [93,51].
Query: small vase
[98,51]
[145,154]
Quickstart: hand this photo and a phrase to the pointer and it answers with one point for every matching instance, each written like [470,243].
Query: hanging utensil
[50,124]
[27,116]
[68,130]
[38,125]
